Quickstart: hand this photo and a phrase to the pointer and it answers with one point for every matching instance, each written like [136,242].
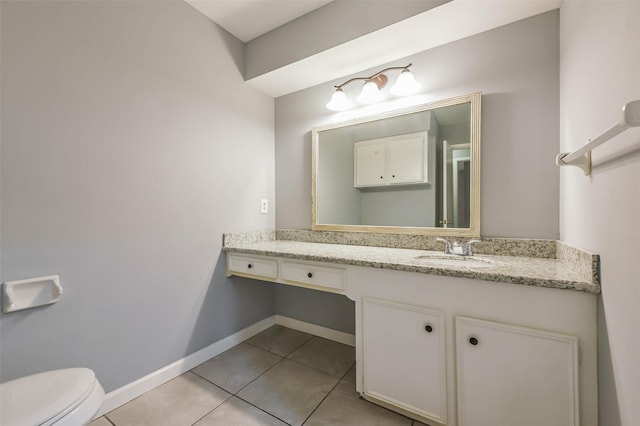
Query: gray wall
[339,200]
[338,22]
[599,67]
[130,143]
[516,68]
[317,307]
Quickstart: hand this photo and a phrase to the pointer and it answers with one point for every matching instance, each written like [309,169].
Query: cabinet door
[407,160]
[510,375]
[371,161]
[404,357]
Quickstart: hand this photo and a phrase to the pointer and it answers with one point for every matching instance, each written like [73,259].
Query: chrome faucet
[457,247]
[467,248]
[447,245]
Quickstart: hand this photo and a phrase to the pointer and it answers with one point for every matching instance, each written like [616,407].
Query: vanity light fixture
[372,90]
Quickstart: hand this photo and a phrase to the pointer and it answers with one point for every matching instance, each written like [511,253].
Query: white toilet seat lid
[32,400]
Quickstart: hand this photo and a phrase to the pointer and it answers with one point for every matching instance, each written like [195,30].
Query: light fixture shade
[370,93]
[405,84]
[339,101]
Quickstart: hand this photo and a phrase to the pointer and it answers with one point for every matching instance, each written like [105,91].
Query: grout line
[298,347]
[263,410]
[258,376]
[321,371]
[282,358]
[208,381]
[293,350]
[323,399]
[347,372]
[215,408]
[239,390]
[261,374]
[109,420]
[279,361]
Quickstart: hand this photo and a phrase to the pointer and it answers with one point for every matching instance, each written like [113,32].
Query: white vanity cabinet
[315,275]
[523,371]
[508,375]
[252,267]
[459,351]
[405,365]
[397,160]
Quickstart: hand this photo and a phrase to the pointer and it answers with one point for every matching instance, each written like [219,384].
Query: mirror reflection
[412,171]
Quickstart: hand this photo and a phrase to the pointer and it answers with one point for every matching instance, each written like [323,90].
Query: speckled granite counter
[572,269]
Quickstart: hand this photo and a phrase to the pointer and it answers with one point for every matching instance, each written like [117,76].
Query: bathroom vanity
[506,337]
[450,340]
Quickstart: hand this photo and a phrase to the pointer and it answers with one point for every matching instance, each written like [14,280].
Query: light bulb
[339,101]
[370,93]
[405,84]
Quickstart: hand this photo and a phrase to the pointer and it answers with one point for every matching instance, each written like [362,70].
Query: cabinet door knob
[473,341]
[393,175]
[249,266]
[428,328]
[381,177]
[310,275]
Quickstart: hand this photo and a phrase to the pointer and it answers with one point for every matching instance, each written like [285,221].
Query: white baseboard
[316,330]
[134,389]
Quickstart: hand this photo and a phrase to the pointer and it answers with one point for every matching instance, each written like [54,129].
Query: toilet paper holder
[30,293]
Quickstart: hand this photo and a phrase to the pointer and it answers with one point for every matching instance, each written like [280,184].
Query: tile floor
[278,377]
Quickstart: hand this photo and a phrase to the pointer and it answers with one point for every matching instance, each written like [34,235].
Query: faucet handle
[447,245]
[467,248]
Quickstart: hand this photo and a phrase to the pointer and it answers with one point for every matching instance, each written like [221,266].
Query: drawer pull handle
[310,275]
[249,266]
[428,328]
[473,341]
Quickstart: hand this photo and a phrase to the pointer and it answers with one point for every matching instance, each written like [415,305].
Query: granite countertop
[531,271]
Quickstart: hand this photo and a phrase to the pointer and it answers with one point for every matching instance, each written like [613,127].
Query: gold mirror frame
[474,226]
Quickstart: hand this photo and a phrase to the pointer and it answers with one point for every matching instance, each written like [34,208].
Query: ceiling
[248,19]
[454,20]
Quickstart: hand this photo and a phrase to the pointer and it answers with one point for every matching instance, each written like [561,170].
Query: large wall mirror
[412,171]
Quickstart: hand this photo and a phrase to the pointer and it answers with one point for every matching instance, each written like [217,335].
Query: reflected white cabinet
[404,358]
[391,161]
[370,163]
[510,375]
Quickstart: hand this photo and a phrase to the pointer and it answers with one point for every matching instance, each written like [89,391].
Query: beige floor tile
[100,421]
[289,391]
[237,367]
[351,375]
[179,402]
[325,355]
[344,407]
[236,412]
[279,340]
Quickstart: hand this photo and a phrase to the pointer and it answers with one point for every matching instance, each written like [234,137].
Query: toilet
[68,397]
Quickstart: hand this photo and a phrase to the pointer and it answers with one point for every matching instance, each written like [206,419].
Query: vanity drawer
[249,265]
[314,275]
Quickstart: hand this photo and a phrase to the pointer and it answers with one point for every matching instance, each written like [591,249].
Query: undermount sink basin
[454,260]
